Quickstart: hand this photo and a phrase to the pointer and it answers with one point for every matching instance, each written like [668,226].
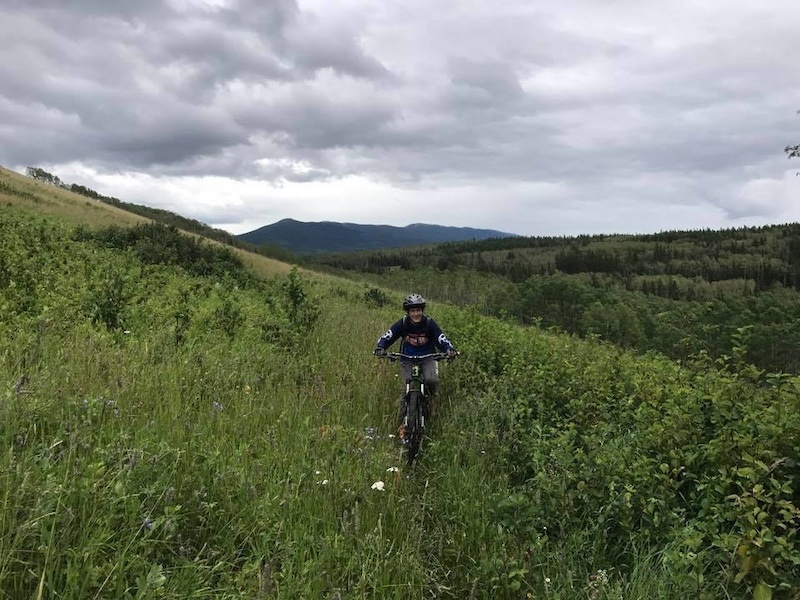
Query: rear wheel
[414,425]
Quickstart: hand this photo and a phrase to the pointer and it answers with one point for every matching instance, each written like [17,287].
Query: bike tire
[415,419]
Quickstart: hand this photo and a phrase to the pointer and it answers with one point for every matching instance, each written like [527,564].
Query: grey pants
[430,372]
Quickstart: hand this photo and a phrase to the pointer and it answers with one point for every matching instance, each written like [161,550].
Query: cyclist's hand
[452,353]
[379,352]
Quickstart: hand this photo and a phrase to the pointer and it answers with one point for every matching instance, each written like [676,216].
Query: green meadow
[178,422]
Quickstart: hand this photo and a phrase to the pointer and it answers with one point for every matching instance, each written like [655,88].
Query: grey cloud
[139,85]
[495,93]
[495,78]
[268,18]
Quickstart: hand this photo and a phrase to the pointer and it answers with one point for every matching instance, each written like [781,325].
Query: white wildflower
[378,485]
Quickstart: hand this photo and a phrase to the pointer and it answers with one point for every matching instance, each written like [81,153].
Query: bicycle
[415,402]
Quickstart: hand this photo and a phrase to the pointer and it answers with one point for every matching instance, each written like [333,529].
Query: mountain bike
[415,405]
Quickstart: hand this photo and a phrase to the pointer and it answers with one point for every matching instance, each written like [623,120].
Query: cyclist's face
[415,314]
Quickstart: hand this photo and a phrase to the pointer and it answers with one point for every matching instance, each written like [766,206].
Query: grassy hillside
[36,197]
[40,198]
[168,434]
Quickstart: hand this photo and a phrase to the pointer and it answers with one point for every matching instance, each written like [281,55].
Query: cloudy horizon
[526,118]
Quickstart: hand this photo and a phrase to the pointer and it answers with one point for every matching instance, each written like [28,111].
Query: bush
[376,298]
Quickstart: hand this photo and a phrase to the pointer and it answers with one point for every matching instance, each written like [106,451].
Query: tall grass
[211,447]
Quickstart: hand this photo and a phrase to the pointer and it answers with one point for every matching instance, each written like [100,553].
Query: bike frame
[417,382]
[416,399]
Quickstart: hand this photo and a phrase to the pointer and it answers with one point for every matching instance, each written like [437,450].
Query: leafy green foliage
[376,297]
[302,309]
[639,451]
[158,244]
[107,301]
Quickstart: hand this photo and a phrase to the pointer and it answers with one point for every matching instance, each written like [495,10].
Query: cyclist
[420,335]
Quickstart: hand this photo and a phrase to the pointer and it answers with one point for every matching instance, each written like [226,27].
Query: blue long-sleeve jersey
[424,337]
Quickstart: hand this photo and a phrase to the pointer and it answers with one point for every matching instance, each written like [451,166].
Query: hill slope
[96,211]
[182,436]
[326,236]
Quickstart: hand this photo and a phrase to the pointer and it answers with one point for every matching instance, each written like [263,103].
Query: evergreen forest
[684,294]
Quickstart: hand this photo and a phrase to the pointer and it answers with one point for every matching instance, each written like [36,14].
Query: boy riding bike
[421,336]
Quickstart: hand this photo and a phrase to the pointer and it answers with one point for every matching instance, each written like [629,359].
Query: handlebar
[433,355]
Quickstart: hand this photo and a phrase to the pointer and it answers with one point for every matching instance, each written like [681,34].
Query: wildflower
[217,405]
[547,581]
[323,482]
[147,523]
[392,470]
[371,433]
[246,389]
[127,331]
[378,485]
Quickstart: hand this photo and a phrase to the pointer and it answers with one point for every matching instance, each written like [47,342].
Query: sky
[528,117]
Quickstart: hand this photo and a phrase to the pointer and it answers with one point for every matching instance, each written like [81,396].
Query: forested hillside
[174,426]
[684,294]
[310,238]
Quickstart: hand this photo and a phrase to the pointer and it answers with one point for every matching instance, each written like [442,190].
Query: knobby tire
[414,428]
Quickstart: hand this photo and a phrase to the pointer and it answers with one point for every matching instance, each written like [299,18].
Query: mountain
[326,236]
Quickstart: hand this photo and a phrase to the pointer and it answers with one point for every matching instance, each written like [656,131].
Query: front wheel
[414,424]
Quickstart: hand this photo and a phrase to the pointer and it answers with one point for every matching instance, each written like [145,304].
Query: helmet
[413,300]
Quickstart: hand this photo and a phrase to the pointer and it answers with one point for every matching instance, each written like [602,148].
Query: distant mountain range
[326,236]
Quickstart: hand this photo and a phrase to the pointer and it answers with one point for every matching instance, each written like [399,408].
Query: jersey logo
[417,339]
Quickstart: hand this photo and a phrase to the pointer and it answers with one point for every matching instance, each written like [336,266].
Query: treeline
[763,255]
[165,217]
[683,294]
[646,322]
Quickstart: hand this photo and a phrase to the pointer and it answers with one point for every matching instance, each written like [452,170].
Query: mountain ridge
[303,237]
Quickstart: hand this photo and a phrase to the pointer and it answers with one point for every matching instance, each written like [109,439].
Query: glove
[379,351]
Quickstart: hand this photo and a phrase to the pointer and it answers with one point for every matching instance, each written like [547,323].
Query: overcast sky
[529,117]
